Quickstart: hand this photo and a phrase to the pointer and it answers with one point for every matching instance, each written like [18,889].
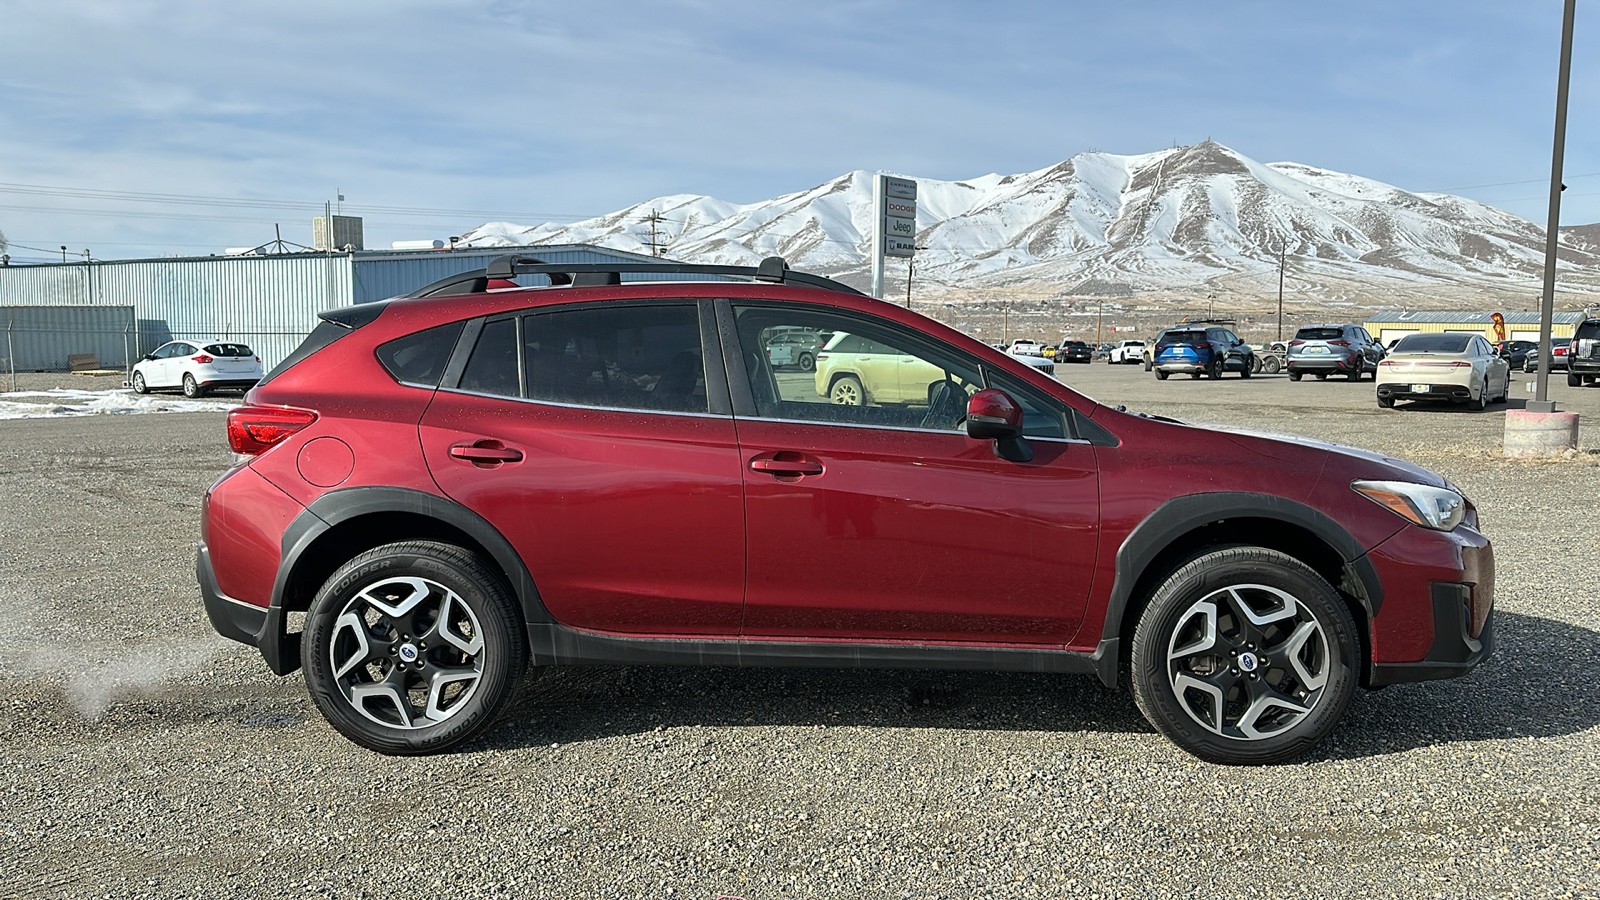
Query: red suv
[451,487]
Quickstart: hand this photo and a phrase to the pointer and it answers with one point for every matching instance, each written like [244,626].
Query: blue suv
[1202,349]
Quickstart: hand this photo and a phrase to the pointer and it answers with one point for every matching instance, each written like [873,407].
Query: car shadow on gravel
[1536,685]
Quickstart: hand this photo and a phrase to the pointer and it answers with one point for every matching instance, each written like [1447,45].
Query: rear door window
[645,357]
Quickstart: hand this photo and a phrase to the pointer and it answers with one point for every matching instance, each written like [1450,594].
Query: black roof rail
[772,269]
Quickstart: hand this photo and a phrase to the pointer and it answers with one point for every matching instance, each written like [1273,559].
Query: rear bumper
[258,626]
[1394,390]
[1321,363]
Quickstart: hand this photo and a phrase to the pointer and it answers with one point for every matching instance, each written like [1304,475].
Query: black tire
[1574,380]
[1271,366]
[1160,375]
[192,388]
[139,387]
[1148,364]
[1386,402]
[1295,376]
[385,649]
[1254,367]
[808,363]
[1322,376]
[846,390]
[1355,374]
[1482,403]
[1236,705]
[1214,370]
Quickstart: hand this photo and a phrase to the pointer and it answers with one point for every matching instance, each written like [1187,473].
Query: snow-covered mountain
[1198,217]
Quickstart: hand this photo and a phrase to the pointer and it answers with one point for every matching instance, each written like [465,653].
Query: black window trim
[744,398]
[718,403]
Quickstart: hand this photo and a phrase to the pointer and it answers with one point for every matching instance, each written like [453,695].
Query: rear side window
[620,357]
[419,359]
[1318,334]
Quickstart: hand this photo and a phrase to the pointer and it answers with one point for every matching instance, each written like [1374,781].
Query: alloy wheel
[1248,662]
[406,652]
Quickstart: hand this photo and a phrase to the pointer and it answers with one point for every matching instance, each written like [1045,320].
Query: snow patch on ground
[64,402]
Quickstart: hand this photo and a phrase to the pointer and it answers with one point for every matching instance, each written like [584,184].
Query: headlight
[1431,507]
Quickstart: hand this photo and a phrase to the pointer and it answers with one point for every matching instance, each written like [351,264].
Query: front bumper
[1455,651]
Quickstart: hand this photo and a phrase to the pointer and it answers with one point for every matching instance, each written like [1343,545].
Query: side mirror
[149,356]
[993,415]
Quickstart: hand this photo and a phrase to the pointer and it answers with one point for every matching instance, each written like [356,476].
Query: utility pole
[1099,317]
[1541,393]
[911,269]
[654,219]
[63,252]
[1283,250]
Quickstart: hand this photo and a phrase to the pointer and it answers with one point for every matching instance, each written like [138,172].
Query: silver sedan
[1456,367]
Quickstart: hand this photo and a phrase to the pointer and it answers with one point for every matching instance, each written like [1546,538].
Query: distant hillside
[1194,220]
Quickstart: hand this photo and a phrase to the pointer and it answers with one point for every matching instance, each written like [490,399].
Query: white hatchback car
[197,368]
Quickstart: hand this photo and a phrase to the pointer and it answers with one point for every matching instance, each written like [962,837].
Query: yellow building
[1520,326]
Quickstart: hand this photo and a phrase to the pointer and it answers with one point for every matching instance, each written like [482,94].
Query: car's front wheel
[412,647]
[1245,656]
[808,363]
[139,387]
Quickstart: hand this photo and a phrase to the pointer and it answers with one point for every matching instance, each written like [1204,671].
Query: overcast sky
[433,117]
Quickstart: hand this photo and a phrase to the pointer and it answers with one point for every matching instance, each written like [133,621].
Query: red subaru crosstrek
[461,483]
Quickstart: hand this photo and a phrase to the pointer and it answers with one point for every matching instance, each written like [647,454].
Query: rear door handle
[486,452]
[786,463]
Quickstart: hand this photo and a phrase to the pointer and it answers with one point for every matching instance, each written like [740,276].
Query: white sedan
[1451,366]
[196,368]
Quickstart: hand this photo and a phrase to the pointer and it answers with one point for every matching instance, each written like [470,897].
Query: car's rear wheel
[1148,365]
[1574,380]
[847,391]
[139,386]
[1482,402]
[412,647]
[1245,656]
[1215,369]
[191,388]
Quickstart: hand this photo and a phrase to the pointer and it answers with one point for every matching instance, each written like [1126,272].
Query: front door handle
[786,464]
[486,453]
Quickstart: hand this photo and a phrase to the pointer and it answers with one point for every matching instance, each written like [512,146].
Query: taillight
[258,360]
[202,359]
[1340,343]
[1561,351]
[1296,343]
[1387,362]
[256,429]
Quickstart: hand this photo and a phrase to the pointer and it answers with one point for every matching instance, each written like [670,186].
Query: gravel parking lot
[143,756]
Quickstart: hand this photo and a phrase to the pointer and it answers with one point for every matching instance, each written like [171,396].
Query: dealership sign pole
[894,201]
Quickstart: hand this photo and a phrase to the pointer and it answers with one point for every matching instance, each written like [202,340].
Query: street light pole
[1541,393]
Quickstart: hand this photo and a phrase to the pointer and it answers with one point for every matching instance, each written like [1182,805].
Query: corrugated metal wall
[269,302]
[382,277]
[41,338]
